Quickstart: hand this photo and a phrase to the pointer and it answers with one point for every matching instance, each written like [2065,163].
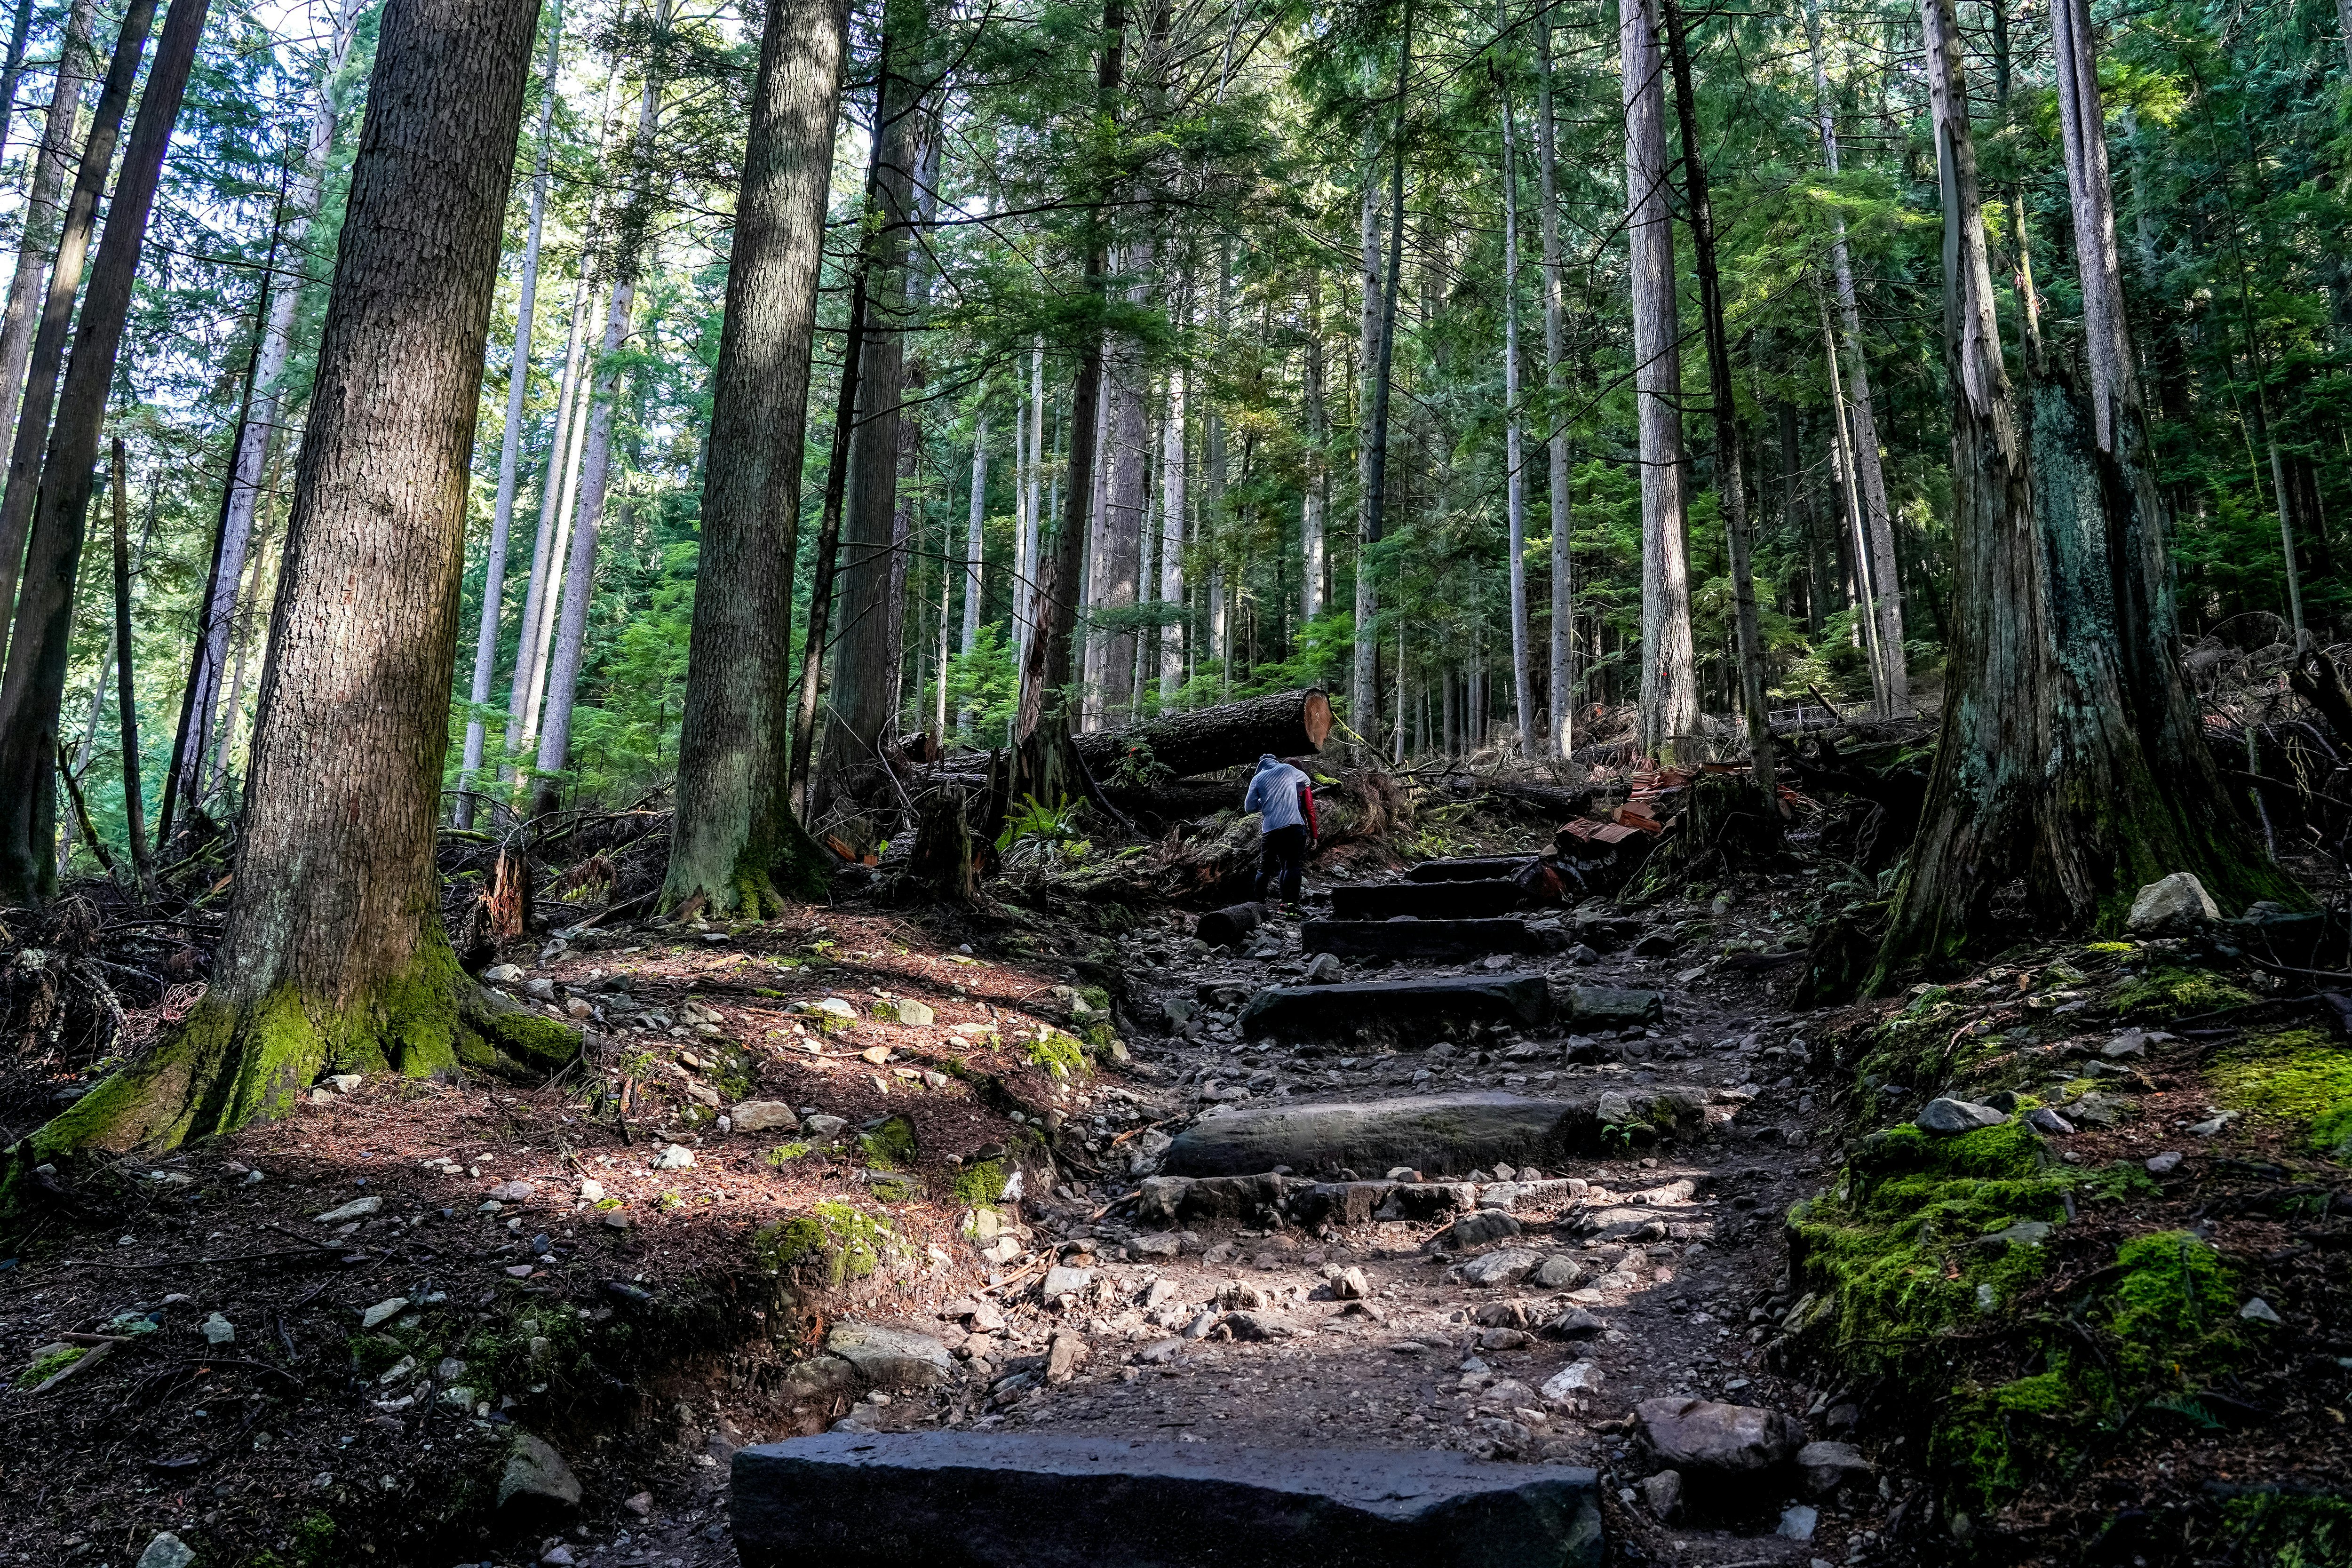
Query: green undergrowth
[2280,1530]
[1906,1272]
[834,1239]
[2299,1076]
[2170,993]
[1064,1056]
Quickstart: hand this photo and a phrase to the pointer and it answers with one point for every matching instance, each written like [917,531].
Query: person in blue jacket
[1283,799]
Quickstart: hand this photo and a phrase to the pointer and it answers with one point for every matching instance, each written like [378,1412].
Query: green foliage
[2285,1529]
[1039,836]
[784,1154]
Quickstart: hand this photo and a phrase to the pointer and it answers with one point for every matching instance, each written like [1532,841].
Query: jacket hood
[1268,761]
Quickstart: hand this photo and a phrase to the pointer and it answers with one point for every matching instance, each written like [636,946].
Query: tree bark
[866,677]
[1232,734]
[1362,697]
[494,570]
[546,546]
[1125,481]
[1514,476]
[1669,699]
[1312,563]
[736,842]
[975,539]
[1730,481]
[1563,602]
[74,64]
[1173,479]
[126,702]
[33,689]
[48,350]
[2070,758]
[334,952]
[1376,460]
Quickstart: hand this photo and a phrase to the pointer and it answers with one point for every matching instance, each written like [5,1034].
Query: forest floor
[547,1261]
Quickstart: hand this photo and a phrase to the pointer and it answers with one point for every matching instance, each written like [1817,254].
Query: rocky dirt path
[1527,1327]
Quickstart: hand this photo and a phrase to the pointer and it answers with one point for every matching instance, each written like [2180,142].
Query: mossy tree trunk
[2070,758]
[334,955]
[736,840]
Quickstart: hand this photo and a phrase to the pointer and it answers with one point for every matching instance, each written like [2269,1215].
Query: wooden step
[1306,1010]
[958,1499]
[1439,940]
[1425,901]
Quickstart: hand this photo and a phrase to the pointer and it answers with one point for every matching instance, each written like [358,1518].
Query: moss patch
[1062,1055]
[890,1145]
[47,1367]
[834,1240]
[2169,993]
[2299,1075]
[981,1185]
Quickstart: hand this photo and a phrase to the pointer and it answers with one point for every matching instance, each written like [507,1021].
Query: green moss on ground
[834,1239]
[2299,1076]
[981,1185]
[2170,993]
[2281,1530]
[47,1367]
[1062,1055]
[890,1145]
[784,1154]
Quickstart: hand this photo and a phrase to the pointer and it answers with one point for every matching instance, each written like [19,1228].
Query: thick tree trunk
[1669,699]
[1232,734]
[76,62]
[334,953]
[1523,694]
[1730,481]
[494,569]
[2070,758]
[1313,564]
[1125,481]
[47,356]
[1362,697]
[1563,602]
[33,689]
[1376,440]
[866,678]
[736,842]
[1171,538]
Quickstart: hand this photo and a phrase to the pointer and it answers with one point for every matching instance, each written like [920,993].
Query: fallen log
[1232,734]
[1226,927]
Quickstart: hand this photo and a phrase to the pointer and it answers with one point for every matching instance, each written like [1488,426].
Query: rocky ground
[872,1171]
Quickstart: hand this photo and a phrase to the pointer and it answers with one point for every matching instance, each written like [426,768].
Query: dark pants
[1282,858]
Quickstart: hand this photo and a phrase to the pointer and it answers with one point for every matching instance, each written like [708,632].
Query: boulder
[1505,1265]
[166,1551]
[935,1498]
[1613,1007]
[889,1358]
[1732,1439]
[1831,1468]
[1577,1377]
[1426,1201]
[1663,1493]
[2174,906]
[1476,1230]
[765,1116]
[536,1482]
[1947,1116]
[1441,1134]
[1339,1203]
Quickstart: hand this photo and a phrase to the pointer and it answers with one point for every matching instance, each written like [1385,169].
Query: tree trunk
[1563,602]
[334,952]
[74,64]
[49,351]
[1516,480]
[1730,481]
[1312,563]
[865,676]
[33,689]
[1866,591]
[1362,697]
[1232,734]
[2071,757]
[545,547]
[1376,460]
[975,539]
[494,570]
[1125,481]
[134,806]
[814,637]
[1669,700]
[1173,478]
[603,389]
[1869,475]
[736,842]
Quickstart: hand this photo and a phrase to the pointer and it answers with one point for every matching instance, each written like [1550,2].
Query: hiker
[1283,799]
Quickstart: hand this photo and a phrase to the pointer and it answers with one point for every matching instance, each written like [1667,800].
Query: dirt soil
[547,1273]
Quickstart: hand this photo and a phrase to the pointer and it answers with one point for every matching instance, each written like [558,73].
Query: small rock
[1352,1286]
[2044,1119]
[2164,1164]
[1663,1493]
[1064,1355]
[823,1126]
[382,1311]
[536,1480]
[2258,1311]
[1705,1434]
[590,1190]
[502,974]
[358,1208]
[1505,1265]
[1797,1521]
[1476,1230]
[218,1330]
[2024,1233]
[917,1013]
[888,1358]
[396,1371]
[1615,1109]
[345,1082]
[167,1550]
[1577,1377]
[514,1191]
[557,1556]
[1830,1467]
[639,1503]
[1326,970]
[833,1006]
[1947,1116]
[2178,904]
[1559,1272]
[677,1157]
[1061,1281]
[580,1008]
[2210,1127]
[878,1054]
[1576,1323]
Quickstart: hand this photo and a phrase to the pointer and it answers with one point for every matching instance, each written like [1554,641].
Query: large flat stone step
[1425,901]
[1332,1009]
[1471,868]
[1436,1134]
[1441,941]
[959,1499]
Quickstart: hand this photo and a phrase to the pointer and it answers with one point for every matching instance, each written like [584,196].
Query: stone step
[1425,901]
[1440,940]
[1436,1134]
[1613,1008]
[1303,1010]
[964,1500]
[1474,868]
